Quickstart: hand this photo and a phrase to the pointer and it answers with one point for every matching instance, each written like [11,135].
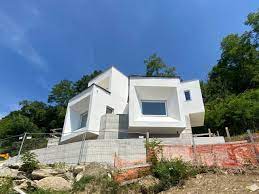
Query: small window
[83,120]
[109,110]
[154,108]
[187,94]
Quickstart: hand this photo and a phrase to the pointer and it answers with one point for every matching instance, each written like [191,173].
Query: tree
[155,66]
[61,93]
[239,112]
[36,111]
[238,67]
[82,84]
[231,94]
[16,124]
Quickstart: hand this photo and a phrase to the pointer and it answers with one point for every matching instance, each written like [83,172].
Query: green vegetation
[6,185]
[80,185]
[41,191]
[155,66]
[173,172]
[231,92]
[30,162]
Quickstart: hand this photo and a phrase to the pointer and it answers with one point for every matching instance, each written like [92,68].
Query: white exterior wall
[95,100]
[164,89]
[195,107]
[114,89]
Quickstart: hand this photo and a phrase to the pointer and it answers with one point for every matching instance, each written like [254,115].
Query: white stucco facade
[114,93]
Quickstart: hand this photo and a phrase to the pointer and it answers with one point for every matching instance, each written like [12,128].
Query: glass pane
[109,110]
[187,95]
[153,108]
[83,120]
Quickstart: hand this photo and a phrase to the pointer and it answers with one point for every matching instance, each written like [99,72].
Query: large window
[83,120]
[187,94]
[154,108]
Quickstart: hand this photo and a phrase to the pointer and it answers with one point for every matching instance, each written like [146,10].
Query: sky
[45,41]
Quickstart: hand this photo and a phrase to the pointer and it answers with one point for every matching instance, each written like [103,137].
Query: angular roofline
[107,69]
[190,80]
[74,97]
[152,77]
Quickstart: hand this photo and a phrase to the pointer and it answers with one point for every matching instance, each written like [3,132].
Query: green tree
[16,124]
[61,93]
[82,84]
[155,66]
[238,112]
[238,67]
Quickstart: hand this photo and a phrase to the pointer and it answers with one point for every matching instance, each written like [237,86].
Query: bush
[154,149]
[30,162]
[171,173]
[6,186]
[80,185]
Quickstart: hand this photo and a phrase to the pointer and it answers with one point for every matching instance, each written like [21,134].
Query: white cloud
[13,36]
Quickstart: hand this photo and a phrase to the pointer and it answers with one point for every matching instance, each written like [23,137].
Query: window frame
[110,108]
[189,95]
[154,101]
[81,119]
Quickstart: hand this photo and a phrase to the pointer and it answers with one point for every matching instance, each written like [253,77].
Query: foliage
[6,185]
[173,172]
[30,162]
[80,185]
[82,84]
[58,165]
[61,93]
[154,149]
[155,66]
[238,112]
[16,124]
[231,92]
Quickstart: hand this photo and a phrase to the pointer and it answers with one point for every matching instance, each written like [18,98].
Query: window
[109,110]
[154,108]
[187,94]
[83,120]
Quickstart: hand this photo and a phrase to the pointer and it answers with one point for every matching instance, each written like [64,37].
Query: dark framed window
[109,110]
[187,94]
[156,108]
[83,119]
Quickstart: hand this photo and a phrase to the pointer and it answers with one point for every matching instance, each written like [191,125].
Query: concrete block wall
[119,152]
[114,126]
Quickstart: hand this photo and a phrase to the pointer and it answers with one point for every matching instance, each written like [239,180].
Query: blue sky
[45,41]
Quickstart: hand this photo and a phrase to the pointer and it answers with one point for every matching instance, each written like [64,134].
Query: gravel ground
[219,183]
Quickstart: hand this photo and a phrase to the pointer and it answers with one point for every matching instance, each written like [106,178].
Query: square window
[109,110]
[83,119]
[187,94]
[154,108]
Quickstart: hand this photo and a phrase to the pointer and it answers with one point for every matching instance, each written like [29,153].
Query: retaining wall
[116,152]
[223,155]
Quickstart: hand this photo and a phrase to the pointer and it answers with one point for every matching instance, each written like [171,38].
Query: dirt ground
[219,183]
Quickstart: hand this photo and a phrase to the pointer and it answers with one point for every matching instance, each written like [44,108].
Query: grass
[6,186]
[80,185]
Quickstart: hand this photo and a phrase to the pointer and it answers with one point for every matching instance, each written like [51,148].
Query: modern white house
[118,106]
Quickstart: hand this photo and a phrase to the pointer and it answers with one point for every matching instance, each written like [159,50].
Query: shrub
[154,149]
[58,165]
[6,185]
[80,185]
[30,162]
[173,172]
